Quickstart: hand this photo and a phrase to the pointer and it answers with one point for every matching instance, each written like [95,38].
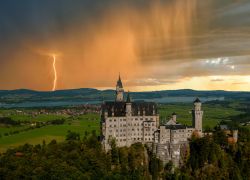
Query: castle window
[115,120]
[110,125]
[110,120]
[114,125]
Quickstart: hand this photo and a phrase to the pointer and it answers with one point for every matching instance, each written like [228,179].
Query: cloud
[152,43]
[150,82]
[217,80]
[239,83]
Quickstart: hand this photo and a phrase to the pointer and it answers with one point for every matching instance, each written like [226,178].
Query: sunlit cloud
[154,44]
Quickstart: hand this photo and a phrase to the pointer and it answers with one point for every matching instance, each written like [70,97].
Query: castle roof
[176,126]
[171,122]
[197,100]
[119,108]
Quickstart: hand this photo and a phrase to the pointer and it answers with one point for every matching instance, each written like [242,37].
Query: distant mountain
[30,98]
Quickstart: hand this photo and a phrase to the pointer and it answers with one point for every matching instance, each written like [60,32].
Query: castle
[129,122]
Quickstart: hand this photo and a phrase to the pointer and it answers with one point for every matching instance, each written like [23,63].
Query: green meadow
[213,114]
[87,123]
[79,124]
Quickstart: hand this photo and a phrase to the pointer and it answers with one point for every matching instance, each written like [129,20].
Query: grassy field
[80,124]
[212,114]
[40,117]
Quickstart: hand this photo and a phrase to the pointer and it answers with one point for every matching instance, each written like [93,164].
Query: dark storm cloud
[182,34]
[225,33]
[50,17]
[43,19]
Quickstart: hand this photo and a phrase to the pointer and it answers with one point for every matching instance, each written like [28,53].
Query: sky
[154,45]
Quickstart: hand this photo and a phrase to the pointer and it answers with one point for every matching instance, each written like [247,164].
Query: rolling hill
[30,98]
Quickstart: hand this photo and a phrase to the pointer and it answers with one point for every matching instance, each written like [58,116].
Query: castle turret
[174,117]
[119,90]
[235,135]
[197,114]
[128,106]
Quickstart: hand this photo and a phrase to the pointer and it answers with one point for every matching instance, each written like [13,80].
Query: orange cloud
[126,39]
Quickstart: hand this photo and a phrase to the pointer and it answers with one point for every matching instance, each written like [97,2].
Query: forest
[210,157]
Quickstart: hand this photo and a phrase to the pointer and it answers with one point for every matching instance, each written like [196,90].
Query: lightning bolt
[55,73]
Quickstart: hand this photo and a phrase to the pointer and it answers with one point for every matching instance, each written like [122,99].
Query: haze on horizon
[155,45]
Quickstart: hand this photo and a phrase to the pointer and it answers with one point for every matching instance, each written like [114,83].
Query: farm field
[80,124]
[213,114]
[47,133]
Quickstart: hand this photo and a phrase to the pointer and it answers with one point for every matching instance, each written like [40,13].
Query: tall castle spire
[119,90]
[119,82]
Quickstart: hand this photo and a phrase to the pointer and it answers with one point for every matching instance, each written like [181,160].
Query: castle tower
[174,117]
[119,90]
[197,114]
[235,135]
[128,106]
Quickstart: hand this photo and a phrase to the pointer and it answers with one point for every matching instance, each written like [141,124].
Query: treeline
[242,118]
[9,121]
[6,121]
[210,157]
[74,159]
